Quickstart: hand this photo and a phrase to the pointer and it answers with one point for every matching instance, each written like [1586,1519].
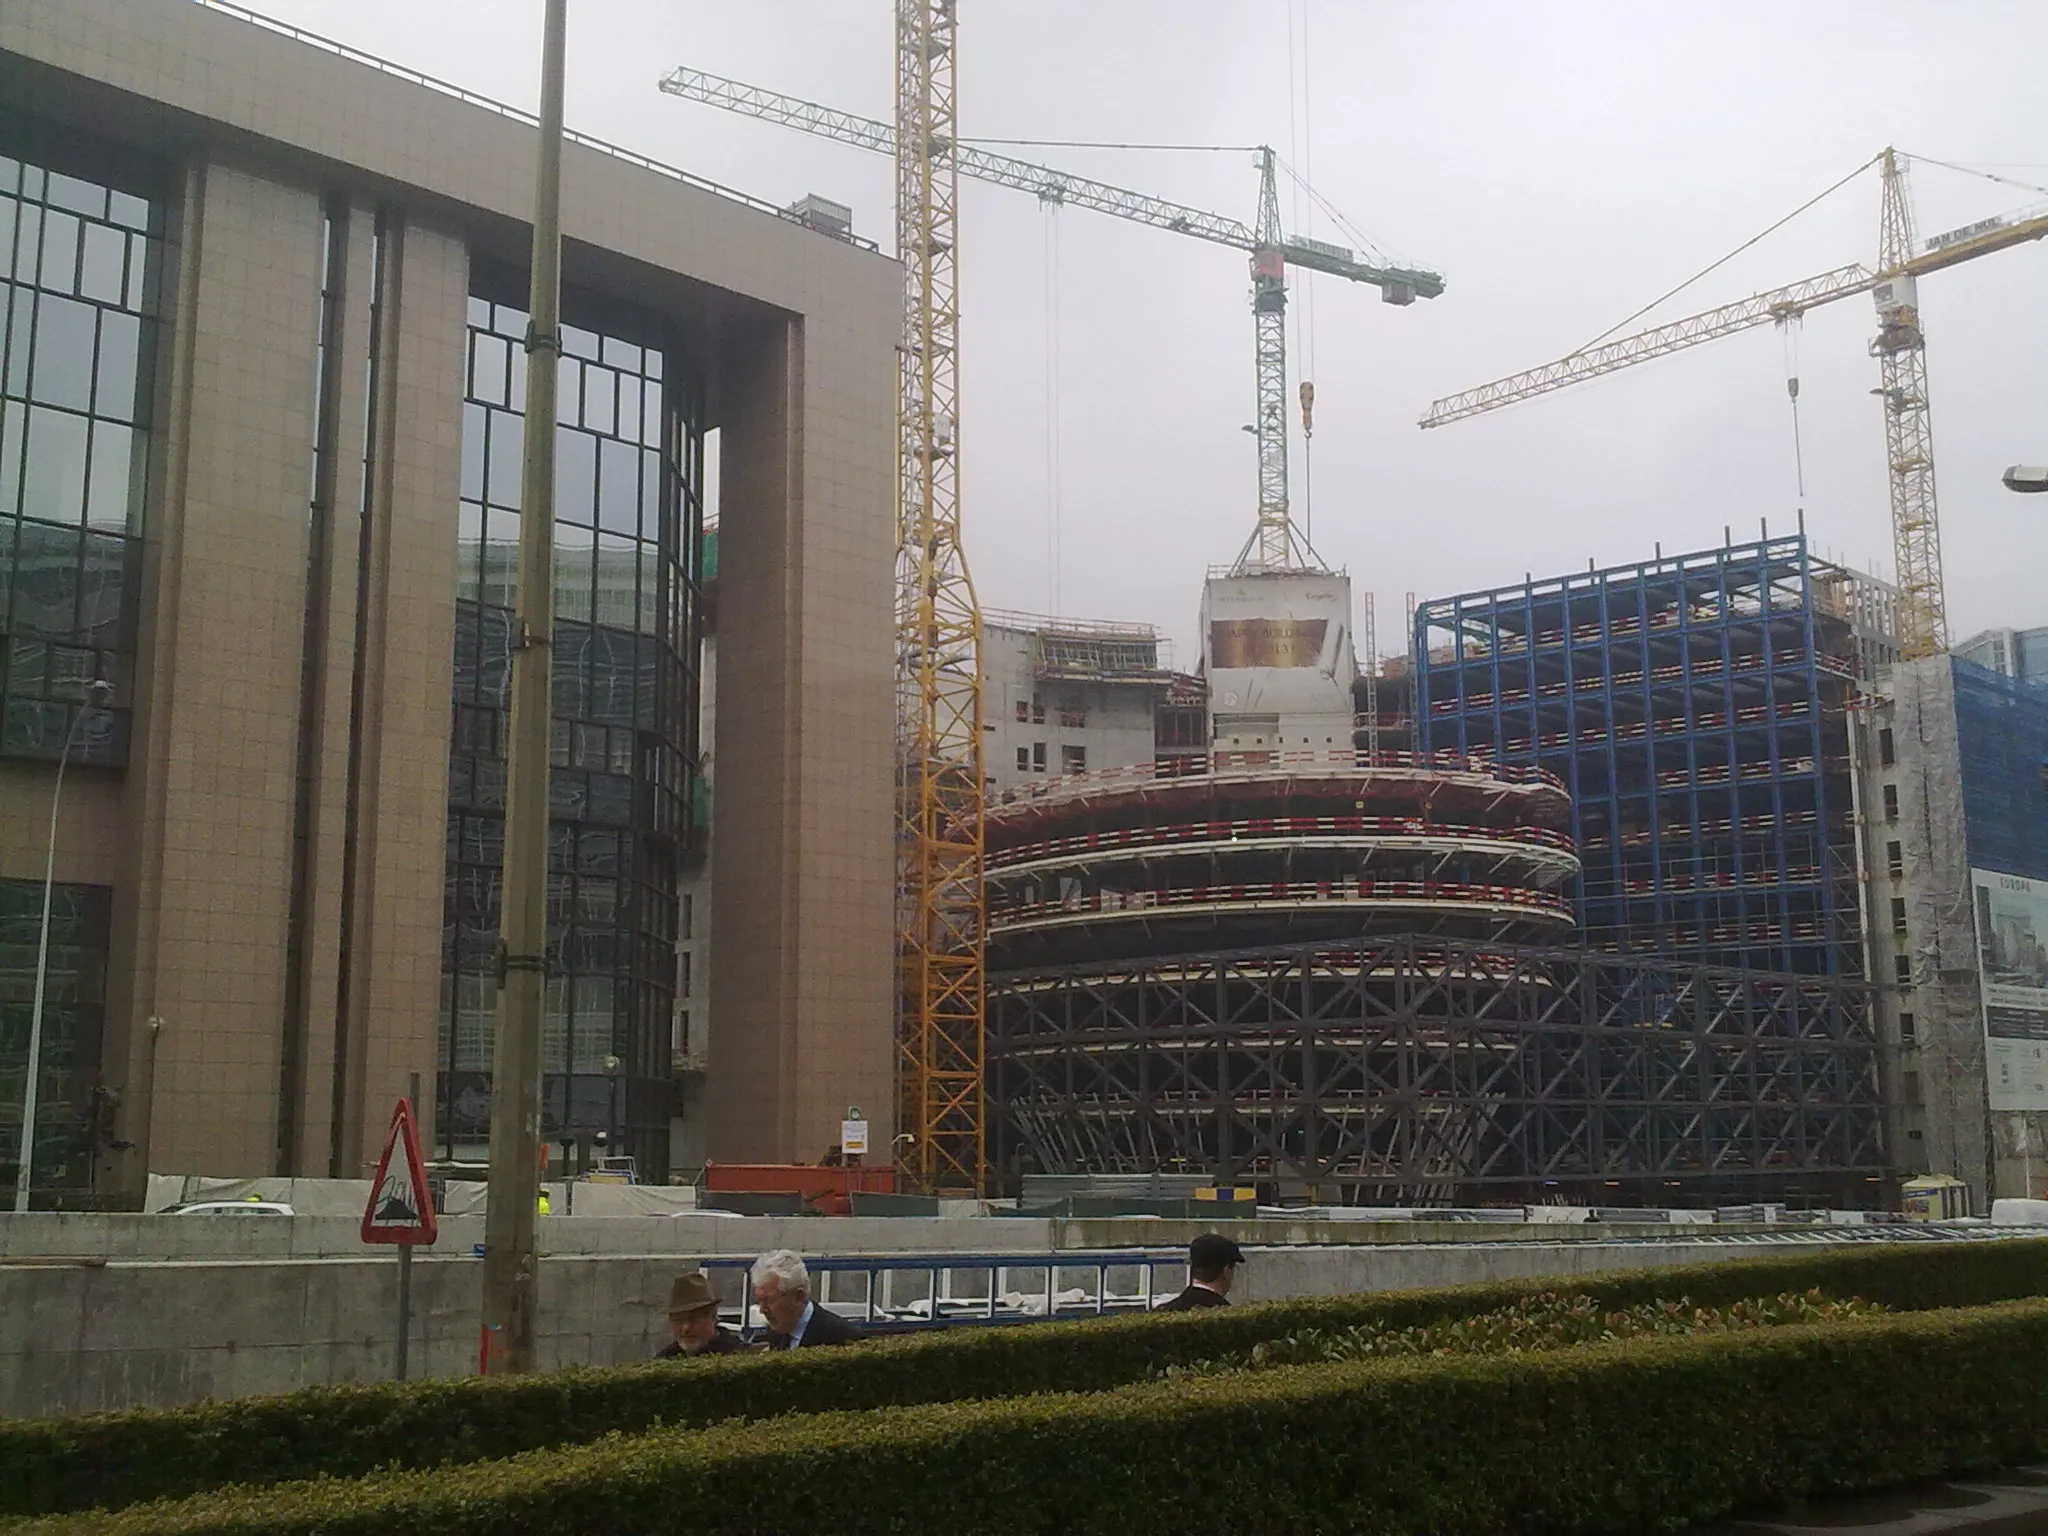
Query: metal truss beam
[1413,1069]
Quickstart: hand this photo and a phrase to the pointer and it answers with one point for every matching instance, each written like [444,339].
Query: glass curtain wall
[69,1133]
[79,263]
[629,446]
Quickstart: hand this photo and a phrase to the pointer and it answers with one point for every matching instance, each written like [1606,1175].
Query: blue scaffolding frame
[1695,706]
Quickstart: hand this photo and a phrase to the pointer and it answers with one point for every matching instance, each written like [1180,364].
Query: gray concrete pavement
[2010,1503]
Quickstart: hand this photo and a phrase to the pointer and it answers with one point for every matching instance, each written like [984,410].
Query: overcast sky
[1562,164]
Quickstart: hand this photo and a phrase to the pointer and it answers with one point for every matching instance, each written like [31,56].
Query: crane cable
[1303,312]
[1752,240]
[1971,170]
[1791,330]
[1051,231]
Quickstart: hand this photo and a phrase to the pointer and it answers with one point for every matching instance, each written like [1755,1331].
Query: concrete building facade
[258,470]
[1955,821]
[1065,696]
[2020,653]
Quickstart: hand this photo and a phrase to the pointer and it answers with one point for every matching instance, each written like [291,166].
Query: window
[1023,756]
[77,340]
[1073,759]
[1074,717]
[1023,711]
[1898,914]
[629,510]
[1909,1084]
[1907,1024]
[688,924]
[1902,969]
[1887,753]
[74,1016]
[1038,757]
[1037,710]
[1891,803]
[1895,861]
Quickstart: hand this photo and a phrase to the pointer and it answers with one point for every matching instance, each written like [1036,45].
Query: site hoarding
[1279,645]
[2012,969]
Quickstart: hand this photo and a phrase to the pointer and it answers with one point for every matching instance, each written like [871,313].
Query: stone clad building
[261,397]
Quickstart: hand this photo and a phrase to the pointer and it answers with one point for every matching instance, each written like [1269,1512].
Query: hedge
[1643,1435]
[111,1460]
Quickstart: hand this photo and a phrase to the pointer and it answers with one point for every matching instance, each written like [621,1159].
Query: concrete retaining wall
[54,1234]
[63,1235]
[77,1338]
[84,1336]
[1279,1273]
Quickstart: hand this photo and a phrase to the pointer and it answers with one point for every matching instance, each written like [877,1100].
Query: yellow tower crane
[939,901]
[938,623]
[1900,348]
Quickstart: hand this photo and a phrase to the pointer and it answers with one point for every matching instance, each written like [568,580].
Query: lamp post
[614,1139]
[511,1278]
[97,693]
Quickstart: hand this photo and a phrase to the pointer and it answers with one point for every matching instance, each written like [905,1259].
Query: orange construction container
[827,1190]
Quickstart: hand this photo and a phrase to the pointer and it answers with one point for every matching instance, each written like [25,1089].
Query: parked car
[229,1208]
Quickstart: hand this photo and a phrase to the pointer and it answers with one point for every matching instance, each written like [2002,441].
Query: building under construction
[1697,708]
[1353,975]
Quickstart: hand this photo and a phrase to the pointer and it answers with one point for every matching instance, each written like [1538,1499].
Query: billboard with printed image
[1278,646]
[2012,969]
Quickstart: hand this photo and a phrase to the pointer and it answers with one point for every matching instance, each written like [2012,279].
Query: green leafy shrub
[111,1460]
[1543,1321]
[1640,1435]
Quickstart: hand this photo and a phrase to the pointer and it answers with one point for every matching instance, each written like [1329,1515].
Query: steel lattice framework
[938,643]
[1407,1069]
[1901,353]
[1272,545]
[1697,707]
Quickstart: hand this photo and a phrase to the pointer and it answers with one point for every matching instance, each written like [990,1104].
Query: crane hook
[1308,408]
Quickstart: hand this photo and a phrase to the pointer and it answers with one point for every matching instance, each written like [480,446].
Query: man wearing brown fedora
[693,1321]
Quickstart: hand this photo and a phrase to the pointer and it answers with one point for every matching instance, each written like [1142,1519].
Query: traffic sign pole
[401,1212]
[404,1310]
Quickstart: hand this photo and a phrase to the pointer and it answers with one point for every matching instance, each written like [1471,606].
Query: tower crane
[1900,348]
[1274,544]
[941,918]
[941,908]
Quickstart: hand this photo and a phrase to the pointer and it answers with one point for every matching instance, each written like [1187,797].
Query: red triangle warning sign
[401,1208]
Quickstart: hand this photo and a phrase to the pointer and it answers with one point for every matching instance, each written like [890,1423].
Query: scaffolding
[1696,706]
[1407,1069]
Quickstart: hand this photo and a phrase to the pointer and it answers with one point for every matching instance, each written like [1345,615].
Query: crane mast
[940,902]
[1272,546]
[1901,352]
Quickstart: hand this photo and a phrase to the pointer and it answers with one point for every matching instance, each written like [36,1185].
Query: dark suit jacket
[723,1342]
[827,1327]
[1193,1299]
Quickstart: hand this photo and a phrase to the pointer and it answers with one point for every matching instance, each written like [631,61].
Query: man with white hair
[782,1290]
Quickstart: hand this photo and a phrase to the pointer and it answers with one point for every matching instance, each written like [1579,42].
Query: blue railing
[902,1293]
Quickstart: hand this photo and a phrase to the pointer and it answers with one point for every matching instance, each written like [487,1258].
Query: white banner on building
[2012,968]
[1279,644]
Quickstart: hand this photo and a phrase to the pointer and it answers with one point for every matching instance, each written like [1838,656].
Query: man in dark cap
[1212,1267]
[693,1321]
